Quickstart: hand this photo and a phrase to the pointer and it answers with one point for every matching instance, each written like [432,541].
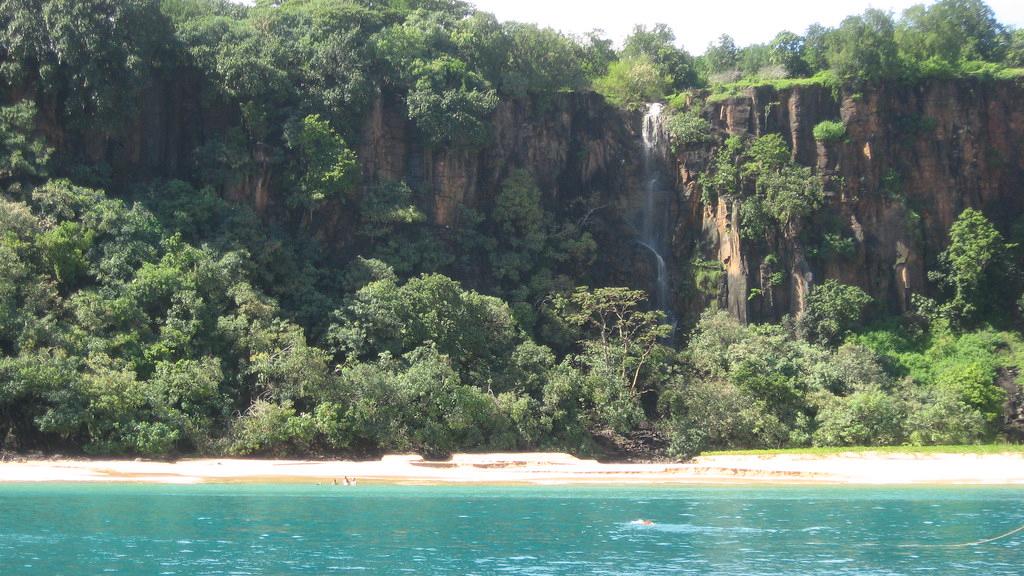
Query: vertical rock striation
[912,160]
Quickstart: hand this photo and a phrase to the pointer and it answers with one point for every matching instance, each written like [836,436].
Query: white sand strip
[545,468]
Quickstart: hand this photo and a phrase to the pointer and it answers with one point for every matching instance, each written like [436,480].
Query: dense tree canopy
[270,292]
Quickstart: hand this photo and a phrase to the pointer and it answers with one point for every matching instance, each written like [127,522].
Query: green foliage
[272,429]
[766,154]
[973,384]
[22,153]
[940,419]
[832,310]
[951,31]
[386,206]
[972,268]
[953,375]
[97,54]
[624,337]
[1015,51]
[791,194]
[724,180]
[721,349]
[542,61]
[864,47]
[530,253]
[418,402]
[755,222]
[868,418]
[688,127]
[948,39]
[477,332]
[790,51]
[64,249]
[707,276]
[328,168]
[836,246]
[452,116]
[720,58]
[631,82]
[707,415]
[829,131]
[756,386]
[776,188]
[657,45]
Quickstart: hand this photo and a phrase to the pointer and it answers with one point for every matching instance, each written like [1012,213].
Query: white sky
[698,22]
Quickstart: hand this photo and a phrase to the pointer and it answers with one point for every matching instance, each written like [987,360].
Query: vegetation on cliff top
[162,313]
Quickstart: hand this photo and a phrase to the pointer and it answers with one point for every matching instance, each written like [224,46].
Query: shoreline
[544,469]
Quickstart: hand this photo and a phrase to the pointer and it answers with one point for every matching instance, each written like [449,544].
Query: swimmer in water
[642,522]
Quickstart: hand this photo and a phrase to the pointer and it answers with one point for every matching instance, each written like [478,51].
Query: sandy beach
[544,469]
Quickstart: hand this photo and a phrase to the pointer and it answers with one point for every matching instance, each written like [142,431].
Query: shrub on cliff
[829,131]
[687,128]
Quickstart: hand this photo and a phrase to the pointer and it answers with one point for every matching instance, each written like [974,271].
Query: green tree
[710,414]
[816,47]
[267,428]
[766,154]
[64,249]
[477,333]
[23,154]
[540,61]
[688,127]
[972,270]
[952,31]
[633,81]
[90,57]
[451,104]
[832,310]
[186,394]
[726,178]
[941,419]
[658,45]
[791,194]
[788,51]
[327,166]
[864,48]
[530,254]
[621,335]
[974,384]
[1015,50]
[867,418]
[721,57]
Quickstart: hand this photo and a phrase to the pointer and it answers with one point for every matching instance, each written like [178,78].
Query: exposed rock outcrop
[912,160]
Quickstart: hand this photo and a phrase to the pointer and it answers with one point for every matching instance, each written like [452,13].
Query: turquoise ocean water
[294,529]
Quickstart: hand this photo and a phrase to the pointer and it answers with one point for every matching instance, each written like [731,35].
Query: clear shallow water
[148,530]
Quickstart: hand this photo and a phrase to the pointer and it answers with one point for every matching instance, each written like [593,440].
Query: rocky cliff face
[912,160]
[574,146]
[584,155]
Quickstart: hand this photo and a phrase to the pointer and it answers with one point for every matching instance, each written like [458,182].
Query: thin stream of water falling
[653,226]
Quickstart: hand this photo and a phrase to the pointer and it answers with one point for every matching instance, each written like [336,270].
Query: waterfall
[654,219]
